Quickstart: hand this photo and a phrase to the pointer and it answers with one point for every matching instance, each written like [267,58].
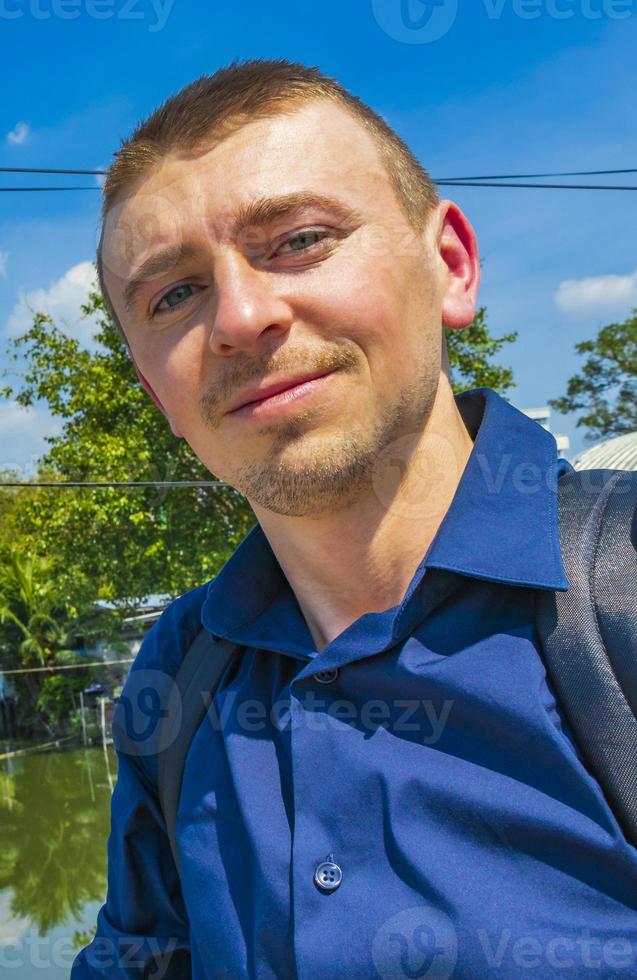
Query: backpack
[588,640]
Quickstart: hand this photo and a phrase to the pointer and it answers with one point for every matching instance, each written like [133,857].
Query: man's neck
[362,558]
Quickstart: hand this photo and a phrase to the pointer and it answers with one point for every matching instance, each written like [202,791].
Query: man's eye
[176,292]
[302,241]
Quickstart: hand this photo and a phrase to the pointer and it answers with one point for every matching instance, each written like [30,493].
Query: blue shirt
[420,754]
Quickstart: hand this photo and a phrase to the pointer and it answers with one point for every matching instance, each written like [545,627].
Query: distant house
[136,625]
[618,453]
[543,417]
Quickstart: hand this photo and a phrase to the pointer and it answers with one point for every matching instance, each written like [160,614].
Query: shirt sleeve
[142,928]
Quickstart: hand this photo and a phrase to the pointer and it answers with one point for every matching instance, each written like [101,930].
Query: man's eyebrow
[258,213]
[266,210]
[155,265]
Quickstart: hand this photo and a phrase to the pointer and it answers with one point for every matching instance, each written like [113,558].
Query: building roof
[619,453]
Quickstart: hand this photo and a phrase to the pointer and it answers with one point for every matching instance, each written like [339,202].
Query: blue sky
[509,86]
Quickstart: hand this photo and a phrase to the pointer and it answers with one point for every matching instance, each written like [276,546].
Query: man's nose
[247,306]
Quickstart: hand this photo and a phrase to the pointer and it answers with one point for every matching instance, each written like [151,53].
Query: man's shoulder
[167,641]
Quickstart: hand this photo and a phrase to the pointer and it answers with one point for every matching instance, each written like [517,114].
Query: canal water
[54,826]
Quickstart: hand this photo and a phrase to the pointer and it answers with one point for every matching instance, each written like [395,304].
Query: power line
[563,173]
[497,180]
[52,667]
[571,173]
[46,170]
[440,183]
[563,187]
[23,189]
[122,483]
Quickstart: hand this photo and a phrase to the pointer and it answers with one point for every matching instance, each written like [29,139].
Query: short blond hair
[214,106]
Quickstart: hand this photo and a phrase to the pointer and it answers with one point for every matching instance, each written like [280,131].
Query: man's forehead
[320,151]
[319,145]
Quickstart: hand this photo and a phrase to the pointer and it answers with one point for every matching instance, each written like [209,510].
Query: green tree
[112,543]
[605,389]
[26,600]
[471,357]
[36,630]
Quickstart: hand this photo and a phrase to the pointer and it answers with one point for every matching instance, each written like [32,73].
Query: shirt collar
[502,522]
[501,525]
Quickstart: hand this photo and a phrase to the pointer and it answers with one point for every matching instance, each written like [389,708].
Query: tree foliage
[37,630]
[27,600]
[471,357]
[115,543]
[605,389]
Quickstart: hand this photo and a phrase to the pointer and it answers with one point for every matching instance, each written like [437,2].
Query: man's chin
[301,485]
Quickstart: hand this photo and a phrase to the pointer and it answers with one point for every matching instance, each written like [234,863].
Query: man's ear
[149,388]
[458,248]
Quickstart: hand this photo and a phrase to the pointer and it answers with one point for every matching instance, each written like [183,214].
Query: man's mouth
[278,396]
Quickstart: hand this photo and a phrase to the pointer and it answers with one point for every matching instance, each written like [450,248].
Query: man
[392,791]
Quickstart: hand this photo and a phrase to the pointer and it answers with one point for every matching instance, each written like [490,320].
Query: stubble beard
[331,473]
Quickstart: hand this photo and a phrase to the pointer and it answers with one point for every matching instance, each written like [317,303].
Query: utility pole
[84,738]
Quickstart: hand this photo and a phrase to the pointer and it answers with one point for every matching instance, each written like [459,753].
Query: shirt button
[326,676]
[328,876]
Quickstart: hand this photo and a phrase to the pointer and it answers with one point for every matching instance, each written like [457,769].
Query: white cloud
[62,301]
[18,135]
[597,293]
[3,264]
[22,432]
[16,419]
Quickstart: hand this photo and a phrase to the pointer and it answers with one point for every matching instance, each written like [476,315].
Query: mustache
[220,392]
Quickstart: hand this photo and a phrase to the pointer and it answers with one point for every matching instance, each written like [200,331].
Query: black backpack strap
[589,634]
[197,679]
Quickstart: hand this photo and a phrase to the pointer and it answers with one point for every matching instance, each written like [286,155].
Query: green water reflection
[54,825]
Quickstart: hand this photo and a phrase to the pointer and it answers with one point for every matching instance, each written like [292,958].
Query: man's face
[348,288]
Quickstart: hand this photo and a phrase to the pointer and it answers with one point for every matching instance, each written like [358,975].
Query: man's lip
[259,394]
